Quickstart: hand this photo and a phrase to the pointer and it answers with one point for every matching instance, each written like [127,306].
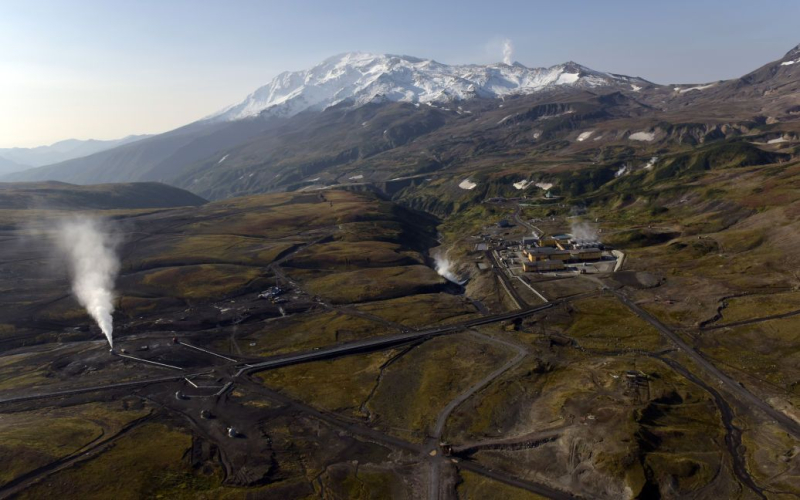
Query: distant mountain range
[16,159]
[7,166]
[371,119]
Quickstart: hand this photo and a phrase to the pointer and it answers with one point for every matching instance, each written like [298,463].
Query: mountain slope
[376,143]
[771,91]
[151,159]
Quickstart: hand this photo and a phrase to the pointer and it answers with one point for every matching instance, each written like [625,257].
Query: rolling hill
[60,196]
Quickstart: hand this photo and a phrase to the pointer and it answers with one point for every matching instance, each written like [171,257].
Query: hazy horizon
[106,70]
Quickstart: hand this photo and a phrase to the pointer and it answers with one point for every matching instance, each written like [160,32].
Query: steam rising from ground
[584,231]
[508,51]
[93,265]
[445,268]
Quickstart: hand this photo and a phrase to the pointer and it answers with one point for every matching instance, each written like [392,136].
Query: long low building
[547,253]
[585,254]
[543,266]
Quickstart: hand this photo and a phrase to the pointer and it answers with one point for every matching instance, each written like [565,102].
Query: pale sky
[107,69]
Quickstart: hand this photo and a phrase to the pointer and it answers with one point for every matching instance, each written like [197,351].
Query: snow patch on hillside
[698,87]
[789,63]
[547,186]
[522,184]
[467,184]
[222,159]
[585,135]
[504,119]
[642,136]
[564,78]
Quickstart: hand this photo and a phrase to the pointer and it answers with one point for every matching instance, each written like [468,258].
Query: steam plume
[508,51]
[445,268]
[584,232]
[93,266]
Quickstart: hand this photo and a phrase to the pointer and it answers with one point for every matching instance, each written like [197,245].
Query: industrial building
[585,254]
[555,240]
[552,252]
[546,253]
[543,266]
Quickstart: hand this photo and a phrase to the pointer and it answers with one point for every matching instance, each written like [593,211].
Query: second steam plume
[445,268]
[508,52]
[93,265]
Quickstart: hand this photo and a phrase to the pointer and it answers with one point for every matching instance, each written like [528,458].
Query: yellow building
[586,254]
[547,241]
[547,253]
[560,240]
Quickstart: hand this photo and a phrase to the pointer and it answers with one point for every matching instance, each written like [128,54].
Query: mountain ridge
[67,149]
[364,77]
[9,166]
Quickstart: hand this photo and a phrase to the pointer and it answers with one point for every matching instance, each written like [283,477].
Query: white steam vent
[445,268]
[93,267]
[508,52]
[585,233]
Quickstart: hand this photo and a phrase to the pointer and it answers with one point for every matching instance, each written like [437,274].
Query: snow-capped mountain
[362,78]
